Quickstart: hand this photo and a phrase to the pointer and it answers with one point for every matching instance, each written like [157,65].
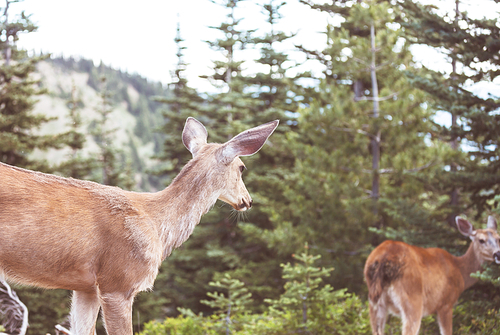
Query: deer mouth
[243,206]
[496,257]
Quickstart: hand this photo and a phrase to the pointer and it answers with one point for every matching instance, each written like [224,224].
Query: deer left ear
[492,223]
[465,227]
[248,142]
[194,135]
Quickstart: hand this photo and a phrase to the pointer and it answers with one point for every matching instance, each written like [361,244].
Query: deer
[412,282]
[106,244]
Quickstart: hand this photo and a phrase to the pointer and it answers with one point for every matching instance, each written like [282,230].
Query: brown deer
[413,282]
[106,244]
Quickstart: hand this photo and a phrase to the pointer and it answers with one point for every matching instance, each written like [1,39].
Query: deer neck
[190,195]
[469,263]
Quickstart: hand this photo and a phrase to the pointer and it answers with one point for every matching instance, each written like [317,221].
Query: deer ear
[194,135]
[492,223]
[248,142]
[465,227]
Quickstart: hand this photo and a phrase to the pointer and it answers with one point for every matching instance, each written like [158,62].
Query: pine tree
[18,123]
[229,307]
[332,201]
[184,102]
[303,293]
[228,109]
[114,168]
[76,166]
[211,248]
[471,46]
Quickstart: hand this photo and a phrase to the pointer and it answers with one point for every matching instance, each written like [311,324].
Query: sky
[138,36]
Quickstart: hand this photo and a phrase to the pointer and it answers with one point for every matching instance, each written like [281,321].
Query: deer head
[486,242]
[222,160]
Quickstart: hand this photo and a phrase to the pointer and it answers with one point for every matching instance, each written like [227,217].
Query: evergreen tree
[222,243]
[211,248]
[302,294]
[231,307]
[76,166]
[184,102]
[471,46]
[18,123]
[276,95]
[332,201]
[472,180]
[114,168]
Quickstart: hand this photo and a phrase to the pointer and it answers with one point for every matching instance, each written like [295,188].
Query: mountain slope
[135,114]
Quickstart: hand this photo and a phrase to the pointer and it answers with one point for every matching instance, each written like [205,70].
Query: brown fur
[383,271]
[104,243]
[412,282]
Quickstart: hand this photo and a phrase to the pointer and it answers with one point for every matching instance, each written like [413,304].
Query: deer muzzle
[244,205]
[496,257]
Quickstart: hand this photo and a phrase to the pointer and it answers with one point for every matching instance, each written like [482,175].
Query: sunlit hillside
[135,114]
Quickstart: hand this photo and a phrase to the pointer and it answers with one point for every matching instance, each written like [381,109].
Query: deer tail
[381,272]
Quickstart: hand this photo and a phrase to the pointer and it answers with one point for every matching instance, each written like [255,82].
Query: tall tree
[362,147]
[223,243]
[18,123]
[76,165]
[211,247]
[112,163]
[471,47]
[184,102]
[229,107]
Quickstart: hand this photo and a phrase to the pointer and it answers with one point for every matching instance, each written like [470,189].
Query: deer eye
[242,168]
[482,241]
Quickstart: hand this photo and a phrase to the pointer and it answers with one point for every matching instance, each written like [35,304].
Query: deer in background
[106,244]
[413,282]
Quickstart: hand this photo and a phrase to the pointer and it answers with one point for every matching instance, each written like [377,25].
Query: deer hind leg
[445,320]
[378,315]
[409,306]
[411,315]
[117,312]
[84,310]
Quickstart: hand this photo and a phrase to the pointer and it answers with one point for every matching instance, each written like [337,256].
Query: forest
[361,155]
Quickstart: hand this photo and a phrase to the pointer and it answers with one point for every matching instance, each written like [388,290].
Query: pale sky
[138,36]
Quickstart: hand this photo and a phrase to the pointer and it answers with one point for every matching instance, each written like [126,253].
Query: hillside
[135,113]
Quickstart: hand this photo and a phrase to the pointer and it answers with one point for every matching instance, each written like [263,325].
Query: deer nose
[246,205]
[496,256]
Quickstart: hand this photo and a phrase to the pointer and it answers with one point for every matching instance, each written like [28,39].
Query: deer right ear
[248,142]
[194,135]
[465,227]
[492,223]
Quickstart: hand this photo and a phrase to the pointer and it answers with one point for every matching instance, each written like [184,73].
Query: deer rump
[398,271]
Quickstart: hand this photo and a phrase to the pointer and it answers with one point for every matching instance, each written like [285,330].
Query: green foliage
[114,169]
[228,309]
[328,311]
[17,98]
[46,308]
[477,317]
[312,182]
[301,294]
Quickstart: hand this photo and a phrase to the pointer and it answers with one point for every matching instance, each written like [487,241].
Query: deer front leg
[84,310]
[117,312]
[445,320]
